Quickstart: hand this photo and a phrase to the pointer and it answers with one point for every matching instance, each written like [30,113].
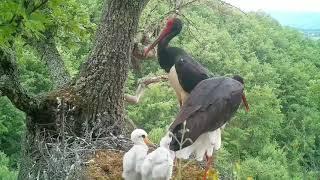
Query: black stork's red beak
[166,31]
[163,34]
[244,100]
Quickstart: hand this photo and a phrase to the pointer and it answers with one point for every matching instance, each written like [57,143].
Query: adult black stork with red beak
[210,105]
[184,72]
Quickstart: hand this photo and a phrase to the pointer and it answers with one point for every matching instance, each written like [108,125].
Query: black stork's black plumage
[210,105]
[184,72]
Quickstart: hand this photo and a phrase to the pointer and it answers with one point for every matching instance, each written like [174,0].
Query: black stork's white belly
[206,144]
[182,95]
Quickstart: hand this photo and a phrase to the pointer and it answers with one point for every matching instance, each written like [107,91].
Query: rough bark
[48,52]
[103,76]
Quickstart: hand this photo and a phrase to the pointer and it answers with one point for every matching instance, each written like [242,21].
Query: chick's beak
[148,142]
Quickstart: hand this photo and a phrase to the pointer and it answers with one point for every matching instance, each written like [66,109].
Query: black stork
[183,72]
[210,105]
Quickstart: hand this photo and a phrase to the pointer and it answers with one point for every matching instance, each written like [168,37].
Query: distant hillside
[306,22]
[311,33]
[300,20]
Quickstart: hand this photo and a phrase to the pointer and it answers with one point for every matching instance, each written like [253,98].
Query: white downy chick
[133,159]
[159,163]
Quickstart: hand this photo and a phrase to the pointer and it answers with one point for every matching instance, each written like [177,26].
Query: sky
[277,5]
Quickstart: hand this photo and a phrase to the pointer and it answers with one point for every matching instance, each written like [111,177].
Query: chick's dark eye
[143,136]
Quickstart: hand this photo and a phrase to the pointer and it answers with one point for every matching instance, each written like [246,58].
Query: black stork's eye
[143,136]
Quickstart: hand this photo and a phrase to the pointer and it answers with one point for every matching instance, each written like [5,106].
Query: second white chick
[133,159]
[158,164]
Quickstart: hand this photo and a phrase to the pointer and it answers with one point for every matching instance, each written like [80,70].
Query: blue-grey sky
[277,5]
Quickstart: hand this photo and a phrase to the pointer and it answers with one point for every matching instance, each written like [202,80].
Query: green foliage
[71,21]
[156,134]
[157,108]
[11,130]
[76,22]
[269,164]
[5,173]
[263,169]
[34,73]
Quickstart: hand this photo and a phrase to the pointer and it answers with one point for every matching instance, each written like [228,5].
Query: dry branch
[143,83]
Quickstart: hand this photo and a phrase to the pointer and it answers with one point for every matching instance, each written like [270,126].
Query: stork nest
[107,165]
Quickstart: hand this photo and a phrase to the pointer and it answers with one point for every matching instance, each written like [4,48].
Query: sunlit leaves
[8,10]
[72,20]
[35,25]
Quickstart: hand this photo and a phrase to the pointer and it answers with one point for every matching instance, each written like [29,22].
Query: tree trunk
[92,107]
[103,76]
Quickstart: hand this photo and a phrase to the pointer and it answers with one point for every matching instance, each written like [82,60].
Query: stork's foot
[208,165]
[175,162]
[205,176]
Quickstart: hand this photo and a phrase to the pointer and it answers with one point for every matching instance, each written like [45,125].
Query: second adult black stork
[210,105]
[184,72]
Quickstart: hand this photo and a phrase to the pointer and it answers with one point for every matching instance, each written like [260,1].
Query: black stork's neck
[166,55]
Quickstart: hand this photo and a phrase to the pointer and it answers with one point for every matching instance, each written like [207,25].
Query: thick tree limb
[10,85]
[134,99]
[49,53]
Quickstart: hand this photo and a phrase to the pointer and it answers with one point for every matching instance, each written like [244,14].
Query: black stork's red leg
[209,160]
